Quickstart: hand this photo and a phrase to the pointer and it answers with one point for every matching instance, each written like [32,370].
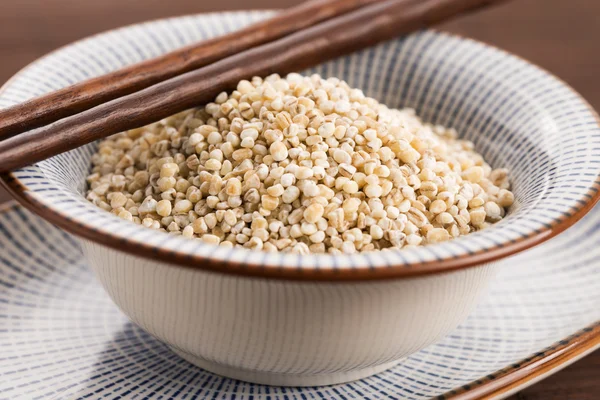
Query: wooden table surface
[561,36]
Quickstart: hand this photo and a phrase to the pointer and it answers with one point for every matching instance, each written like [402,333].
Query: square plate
[61,337]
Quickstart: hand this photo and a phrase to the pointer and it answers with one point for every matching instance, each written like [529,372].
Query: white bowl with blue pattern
[311,320]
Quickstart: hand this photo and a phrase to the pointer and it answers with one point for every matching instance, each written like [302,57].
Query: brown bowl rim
[407,270]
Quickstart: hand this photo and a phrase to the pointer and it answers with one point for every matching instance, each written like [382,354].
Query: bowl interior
[518,116]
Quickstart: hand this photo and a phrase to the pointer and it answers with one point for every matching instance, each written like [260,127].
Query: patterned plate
[62,338]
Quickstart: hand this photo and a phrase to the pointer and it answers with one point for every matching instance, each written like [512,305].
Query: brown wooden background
[562,36]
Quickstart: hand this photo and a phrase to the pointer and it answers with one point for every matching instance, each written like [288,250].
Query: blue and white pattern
[517,115]
[61,337]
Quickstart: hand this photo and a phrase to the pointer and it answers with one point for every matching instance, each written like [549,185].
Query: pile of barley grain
[301,164]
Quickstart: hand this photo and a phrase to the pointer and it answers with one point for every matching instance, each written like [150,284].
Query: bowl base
[276,379]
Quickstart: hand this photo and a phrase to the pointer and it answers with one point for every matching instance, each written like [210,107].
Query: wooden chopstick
[85,95]
[311,46]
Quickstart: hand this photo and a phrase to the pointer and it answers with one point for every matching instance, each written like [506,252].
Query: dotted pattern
[518,116]
[61,336]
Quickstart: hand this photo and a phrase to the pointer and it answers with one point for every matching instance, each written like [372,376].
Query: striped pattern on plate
[61,337]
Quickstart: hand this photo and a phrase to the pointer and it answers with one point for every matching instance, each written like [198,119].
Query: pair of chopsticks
[298,38]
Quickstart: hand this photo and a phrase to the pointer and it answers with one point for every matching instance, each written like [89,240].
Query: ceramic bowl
[312,320]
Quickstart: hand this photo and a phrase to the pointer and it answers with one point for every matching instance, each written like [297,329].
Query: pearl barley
[299,164]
